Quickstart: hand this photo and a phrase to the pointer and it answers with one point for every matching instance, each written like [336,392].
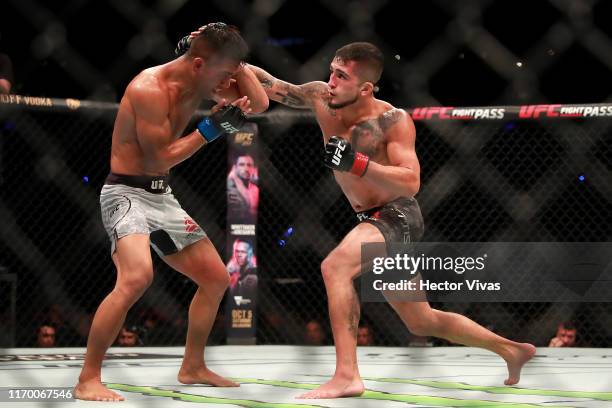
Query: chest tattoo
[369,137]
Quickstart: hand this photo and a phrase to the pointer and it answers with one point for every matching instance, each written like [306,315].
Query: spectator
[128,337]
[45,336]
[155,329]
[314,335]
[65,335]
[365,336]
[278,326]
[6,74]
[566,335]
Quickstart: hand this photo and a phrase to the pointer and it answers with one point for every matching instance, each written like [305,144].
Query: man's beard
[343,104]
[245,180]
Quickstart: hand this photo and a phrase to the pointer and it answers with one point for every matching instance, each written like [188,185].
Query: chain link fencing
[481,180]
[506,180]
[479,52]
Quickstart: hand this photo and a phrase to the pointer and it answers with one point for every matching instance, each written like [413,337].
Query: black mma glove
[228,119]
[185,42]
[339,155]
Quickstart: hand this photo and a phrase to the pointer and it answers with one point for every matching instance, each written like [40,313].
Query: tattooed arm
[296,96]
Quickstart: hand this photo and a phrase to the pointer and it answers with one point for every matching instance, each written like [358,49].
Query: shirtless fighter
[138,208]
[370,145]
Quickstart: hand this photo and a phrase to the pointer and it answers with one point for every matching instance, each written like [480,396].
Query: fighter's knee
[134,285]
[420,329]
[424,325]
[217,279]
[214,287]
[328,266]
[334,270]
[219,284]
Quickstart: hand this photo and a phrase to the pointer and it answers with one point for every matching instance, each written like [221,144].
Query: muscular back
[151,115]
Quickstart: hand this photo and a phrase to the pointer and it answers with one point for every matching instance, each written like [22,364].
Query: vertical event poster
[241,255]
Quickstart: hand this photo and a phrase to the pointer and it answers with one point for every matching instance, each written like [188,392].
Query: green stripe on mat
[181,396]
[406,398]
[601,396]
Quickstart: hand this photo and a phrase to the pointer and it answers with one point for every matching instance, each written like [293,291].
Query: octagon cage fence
[508,173]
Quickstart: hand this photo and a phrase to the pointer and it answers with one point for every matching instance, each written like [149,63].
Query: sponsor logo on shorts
[367,216]
[362,216]
[191,226]
[114,210]
[158,185]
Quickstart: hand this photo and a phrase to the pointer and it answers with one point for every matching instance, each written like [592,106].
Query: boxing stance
[370,146]
[138,208]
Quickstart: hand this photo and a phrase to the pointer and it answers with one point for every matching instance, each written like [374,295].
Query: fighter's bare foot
[203,375]
[94,390]
[337,387]
[517,358]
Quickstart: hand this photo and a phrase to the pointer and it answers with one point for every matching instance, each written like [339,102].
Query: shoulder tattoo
[390,118]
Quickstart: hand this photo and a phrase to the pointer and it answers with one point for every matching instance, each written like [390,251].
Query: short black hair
[568,325]
[46,324]
[367,55]
[219,39]
[246,154]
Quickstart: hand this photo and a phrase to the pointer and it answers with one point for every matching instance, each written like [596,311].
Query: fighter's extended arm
[296,96]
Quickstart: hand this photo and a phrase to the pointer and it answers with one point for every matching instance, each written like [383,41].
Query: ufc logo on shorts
[362,216]
[338,153]
[157,185]
[228,127]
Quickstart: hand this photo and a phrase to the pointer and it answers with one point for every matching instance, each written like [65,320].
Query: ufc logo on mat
[338,153]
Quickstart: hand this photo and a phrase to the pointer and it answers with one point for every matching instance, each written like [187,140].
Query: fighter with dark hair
[370,146]
[138,208]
